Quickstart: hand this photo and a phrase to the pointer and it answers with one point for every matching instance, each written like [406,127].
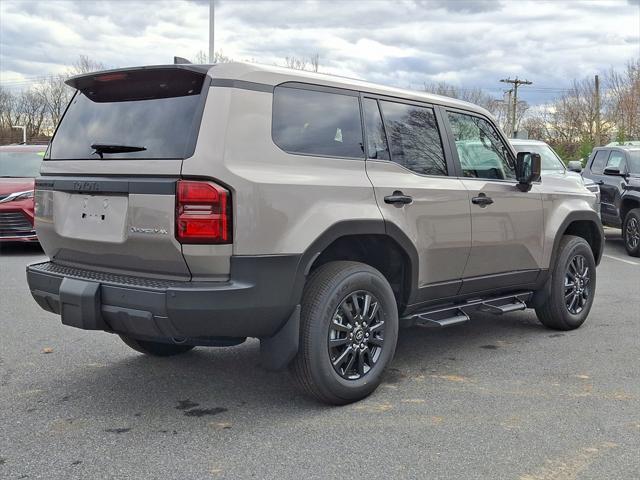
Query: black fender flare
[582,215]
[278,350]
[348,228]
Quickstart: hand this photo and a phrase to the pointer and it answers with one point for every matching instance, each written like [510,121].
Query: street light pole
[211,33]
[24,132]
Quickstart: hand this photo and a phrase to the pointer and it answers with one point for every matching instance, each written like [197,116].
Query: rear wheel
[631,232]
[348,332]
[156,349]
[566,305]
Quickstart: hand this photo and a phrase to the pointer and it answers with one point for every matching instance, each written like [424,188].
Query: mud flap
[80,304]
[276,352]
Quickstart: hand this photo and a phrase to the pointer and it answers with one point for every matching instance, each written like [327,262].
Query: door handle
[482,200]
[398,198]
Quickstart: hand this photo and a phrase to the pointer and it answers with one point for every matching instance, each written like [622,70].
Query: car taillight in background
[203,213]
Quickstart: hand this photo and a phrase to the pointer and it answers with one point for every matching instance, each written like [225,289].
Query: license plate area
[100,218]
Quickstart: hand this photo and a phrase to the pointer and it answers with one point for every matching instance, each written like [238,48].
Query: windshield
[550,160]
[136,115]
[20,164]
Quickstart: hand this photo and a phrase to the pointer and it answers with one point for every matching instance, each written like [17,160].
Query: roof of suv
[272,75]
[626,148]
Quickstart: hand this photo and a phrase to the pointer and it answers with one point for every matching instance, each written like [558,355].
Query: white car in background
[552,164]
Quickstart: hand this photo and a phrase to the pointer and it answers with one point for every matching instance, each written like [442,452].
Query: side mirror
[613,171]
[575,166]
[528,166]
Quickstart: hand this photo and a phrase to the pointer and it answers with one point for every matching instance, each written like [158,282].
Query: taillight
[203,212]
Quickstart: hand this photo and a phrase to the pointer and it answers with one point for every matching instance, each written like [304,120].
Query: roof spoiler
[78,81]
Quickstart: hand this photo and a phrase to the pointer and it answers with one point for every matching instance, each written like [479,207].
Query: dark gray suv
[617,171]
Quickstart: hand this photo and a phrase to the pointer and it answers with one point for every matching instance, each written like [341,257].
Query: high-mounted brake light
[110,77]
[203,213]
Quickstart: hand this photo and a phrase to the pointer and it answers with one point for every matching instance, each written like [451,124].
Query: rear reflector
[203,213]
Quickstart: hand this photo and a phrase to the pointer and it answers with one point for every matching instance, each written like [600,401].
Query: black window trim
[325,89]
[439,124]
[505,141]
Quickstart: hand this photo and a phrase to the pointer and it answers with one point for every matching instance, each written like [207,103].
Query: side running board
[445,316]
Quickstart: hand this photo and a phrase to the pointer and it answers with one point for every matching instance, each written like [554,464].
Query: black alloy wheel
[356,335]
[577,284]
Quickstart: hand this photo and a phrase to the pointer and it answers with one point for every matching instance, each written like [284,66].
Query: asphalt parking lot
[497,398]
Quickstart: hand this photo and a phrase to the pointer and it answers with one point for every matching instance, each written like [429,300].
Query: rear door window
[599,161]
[156,110]
[312,122]
[414,138]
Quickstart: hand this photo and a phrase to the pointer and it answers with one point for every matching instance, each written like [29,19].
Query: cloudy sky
[469,43]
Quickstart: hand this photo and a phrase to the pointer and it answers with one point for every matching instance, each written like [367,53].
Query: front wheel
[631,232]
[348,332]
[566,305]
[155,349]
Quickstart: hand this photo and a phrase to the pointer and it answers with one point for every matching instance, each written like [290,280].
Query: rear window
[311,122]
[20,164]
[158,111]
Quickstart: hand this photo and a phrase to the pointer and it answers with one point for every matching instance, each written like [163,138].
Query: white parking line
[621,260]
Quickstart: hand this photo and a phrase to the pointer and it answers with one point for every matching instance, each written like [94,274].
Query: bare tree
[85,65]
[55,96]
[33,111]
[218,57]
[622,99]
[301,63]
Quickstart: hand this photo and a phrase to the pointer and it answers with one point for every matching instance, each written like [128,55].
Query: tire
[155,349]
[329,295]
[556,312]
[631,232]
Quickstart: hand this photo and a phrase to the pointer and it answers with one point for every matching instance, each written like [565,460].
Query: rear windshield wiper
[101,148]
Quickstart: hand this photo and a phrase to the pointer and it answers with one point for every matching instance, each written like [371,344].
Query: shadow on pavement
[231,379]
[20,248]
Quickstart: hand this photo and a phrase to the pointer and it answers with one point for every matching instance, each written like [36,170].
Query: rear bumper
[256,302]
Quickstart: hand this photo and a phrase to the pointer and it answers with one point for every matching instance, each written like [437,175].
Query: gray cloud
[406,43]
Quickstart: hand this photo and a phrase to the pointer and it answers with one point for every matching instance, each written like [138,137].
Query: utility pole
[211,35]
[506,100]
[597,102]
[24,132]
[516,83]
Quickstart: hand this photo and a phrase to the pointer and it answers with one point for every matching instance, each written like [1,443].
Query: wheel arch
[374,242]
[585,224]
[628,203]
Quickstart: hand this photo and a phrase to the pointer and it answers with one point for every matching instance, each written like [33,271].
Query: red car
[19,165]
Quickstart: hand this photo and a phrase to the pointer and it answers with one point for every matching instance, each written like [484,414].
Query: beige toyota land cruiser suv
[190,205]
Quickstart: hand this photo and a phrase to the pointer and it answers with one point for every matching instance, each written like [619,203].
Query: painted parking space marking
[621,259]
